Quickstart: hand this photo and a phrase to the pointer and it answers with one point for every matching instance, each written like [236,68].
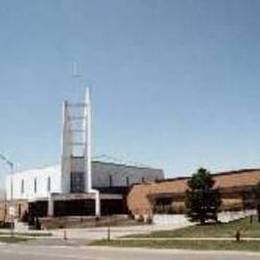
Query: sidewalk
[99,232]
[115,232]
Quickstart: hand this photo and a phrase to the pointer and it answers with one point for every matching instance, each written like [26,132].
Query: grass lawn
[14,239]
[182,244]
[212,230]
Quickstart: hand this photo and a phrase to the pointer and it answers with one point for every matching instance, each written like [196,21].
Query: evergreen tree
[256,198]
[202,200]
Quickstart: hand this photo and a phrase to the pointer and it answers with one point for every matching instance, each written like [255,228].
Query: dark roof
[126,165]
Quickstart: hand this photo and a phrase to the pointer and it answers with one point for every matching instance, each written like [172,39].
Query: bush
[149,220]
[141,219]
[37,224]
[25,217]
[31,221]
[5,225]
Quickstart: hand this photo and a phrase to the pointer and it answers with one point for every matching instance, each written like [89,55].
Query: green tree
[202,200]
[256,198]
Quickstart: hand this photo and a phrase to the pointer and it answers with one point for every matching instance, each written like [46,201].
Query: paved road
[24,252]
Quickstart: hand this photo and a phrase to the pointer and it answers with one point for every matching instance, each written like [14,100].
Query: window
[22,187]
[49,184]
[110,181]
[35,185]
[163,205]
[77,182]
[143,179]
[127,181]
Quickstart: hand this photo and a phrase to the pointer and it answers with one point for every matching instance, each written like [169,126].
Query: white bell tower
[76,174]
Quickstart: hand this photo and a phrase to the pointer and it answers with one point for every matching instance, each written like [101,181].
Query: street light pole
[11,166]
[12,199]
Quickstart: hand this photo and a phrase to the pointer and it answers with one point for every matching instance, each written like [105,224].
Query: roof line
[236,171]
[241,171]
[126,165]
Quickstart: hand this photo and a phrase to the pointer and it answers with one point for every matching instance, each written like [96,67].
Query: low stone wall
[227,216]
[86,221]
[176,219]
[180,219]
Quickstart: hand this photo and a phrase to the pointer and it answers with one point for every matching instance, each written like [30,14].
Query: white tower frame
[68,143]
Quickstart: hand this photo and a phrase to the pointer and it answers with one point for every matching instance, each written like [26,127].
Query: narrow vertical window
[110,181]
[49,184]
[35,185]
[127,181]
[143,180]
[22,186]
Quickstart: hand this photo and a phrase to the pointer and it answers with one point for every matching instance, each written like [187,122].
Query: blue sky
[175,84]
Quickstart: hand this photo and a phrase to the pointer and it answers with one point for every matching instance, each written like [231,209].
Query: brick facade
[231,185]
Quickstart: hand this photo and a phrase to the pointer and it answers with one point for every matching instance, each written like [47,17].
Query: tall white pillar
[97,204]
[50,207]
[87,142]
[66,150]
[87,153]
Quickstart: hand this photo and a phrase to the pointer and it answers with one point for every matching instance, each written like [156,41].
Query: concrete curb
[177,251]
[188,238]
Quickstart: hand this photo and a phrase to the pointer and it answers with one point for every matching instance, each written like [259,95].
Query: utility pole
[11,208]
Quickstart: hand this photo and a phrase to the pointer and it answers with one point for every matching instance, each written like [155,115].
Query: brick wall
[138,201]
[138,198]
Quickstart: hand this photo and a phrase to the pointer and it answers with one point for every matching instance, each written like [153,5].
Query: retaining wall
[180,219]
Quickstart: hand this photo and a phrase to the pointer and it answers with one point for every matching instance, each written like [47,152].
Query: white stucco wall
[41,177]
[101,172]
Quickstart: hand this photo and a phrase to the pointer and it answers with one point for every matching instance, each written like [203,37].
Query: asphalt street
[25,252]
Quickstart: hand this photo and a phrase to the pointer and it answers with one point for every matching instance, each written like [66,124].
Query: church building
[78,186]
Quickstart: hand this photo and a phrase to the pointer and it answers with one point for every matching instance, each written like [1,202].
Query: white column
[97,204]
[50,207]
[87,141]
[66,151]
[87,152]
